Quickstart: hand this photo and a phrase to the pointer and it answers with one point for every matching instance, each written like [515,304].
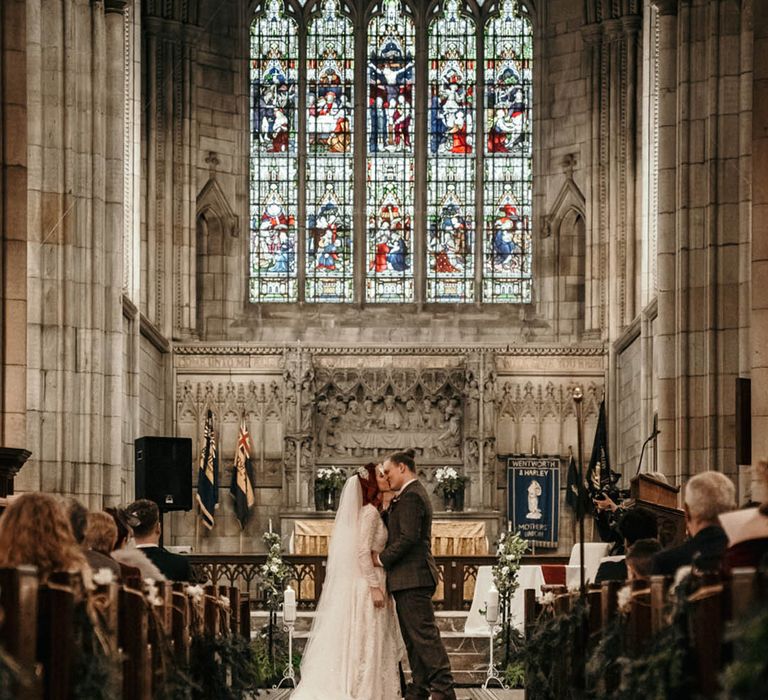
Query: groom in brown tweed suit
[412,578]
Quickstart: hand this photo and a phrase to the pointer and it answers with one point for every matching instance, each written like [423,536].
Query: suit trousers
[430,666]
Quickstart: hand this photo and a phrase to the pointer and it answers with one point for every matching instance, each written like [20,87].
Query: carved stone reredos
[368,412]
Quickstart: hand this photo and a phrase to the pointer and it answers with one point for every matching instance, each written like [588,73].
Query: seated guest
[133,562]
[35,531]
[78,521]
[640,558]
[635,524]
[747,529]
[707,496]
[147,535]
[100,537]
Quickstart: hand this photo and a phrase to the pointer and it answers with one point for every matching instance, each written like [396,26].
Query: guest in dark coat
[636,524]
[174,567]
[100,538]
[707,495]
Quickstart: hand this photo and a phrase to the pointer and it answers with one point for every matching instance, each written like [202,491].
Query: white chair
[593,554]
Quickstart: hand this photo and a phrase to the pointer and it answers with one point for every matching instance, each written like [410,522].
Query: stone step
[468,653]
[447,621]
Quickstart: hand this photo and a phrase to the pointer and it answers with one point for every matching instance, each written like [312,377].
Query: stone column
[666,251]
[13,222]
[74,356]
[759,320]
[700,241]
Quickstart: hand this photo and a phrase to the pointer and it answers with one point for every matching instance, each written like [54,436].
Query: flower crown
[362,472]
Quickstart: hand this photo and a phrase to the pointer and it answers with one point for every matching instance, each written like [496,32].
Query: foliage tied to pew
[96,666]
[746,677]
[222,667]
[10,677]
[553,655]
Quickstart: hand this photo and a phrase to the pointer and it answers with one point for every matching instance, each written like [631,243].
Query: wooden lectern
[661,500]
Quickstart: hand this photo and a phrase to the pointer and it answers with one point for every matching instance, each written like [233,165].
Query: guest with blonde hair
[707,496]
[35,531]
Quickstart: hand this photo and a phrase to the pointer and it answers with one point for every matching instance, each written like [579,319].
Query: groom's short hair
[406,457]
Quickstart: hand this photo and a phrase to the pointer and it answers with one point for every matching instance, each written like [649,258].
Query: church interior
[250,246]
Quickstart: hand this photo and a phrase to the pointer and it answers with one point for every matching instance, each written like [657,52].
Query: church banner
[533,498]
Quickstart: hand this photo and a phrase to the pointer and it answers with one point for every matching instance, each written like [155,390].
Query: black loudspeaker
[164,471]
[743,421]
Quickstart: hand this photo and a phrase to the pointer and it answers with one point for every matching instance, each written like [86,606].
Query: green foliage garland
[553,655]
[222,667]
[746,677]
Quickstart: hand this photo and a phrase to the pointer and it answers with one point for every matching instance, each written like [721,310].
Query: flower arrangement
[509,552]
[274,571]
[449,481]
[329,478]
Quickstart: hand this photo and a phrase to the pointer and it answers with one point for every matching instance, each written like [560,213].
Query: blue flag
[208,475]
[241,487]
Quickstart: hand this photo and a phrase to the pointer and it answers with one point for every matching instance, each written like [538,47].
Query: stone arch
[216,231]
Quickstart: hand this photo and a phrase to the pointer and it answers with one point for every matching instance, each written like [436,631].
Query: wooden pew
[211,610]
[245,616]
[55,638]
[133,636]
[639,620]
[706,628]
[18,629]
[180,623]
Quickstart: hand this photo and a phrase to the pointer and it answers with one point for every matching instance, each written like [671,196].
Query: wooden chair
[706,628]
[211,614]
[180,623]
[639,621]
[245,616]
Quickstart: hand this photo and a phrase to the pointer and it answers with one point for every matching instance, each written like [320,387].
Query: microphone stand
[652,436]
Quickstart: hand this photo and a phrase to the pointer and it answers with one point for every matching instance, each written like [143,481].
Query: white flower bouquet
[330,478]
[449,481]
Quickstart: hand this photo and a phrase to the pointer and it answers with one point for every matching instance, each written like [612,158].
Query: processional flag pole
[578,397]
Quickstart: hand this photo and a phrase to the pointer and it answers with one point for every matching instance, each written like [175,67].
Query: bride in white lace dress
[354,646]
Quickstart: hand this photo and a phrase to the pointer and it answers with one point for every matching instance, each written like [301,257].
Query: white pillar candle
[270,526]
[289,605]
[492,605]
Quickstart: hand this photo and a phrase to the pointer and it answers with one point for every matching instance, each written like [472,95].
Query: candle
[289,605]
[270,526]
[492,605]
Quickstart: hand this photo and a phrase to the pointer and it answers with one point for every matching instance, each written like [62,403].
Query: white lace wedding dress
[353,648]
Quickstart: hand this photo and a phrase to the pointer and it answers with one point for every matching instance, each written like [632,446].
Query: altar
[454,537]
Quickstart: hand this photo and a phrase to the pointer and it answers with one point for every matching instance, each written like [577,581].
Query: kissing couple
[377,594]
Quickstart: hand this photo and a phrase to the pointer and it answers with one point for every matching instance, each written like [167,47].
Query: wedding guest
[635,524]
[100,537]
[747,528]
[147,535]
[707,496]
[35,530]
[640,558]
[133,562]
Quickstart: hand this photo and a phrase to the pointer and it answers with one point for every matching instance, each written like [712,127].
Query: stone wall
[311,406]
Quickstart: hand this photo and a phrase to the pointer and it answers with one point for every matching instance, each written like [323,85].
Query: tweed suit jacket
[407,558]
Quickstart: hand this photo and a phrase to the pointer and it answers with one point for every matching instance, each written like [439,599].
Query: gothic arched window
[391,152]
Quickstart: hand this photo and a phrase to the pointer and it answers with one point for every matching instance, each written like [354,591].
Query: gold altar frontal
[457,538]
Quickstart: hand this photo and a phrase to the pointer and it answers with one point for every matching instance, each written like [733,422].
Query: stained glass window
[508,170]
[273,190]
[390,165]
[330,166]
[451,157]
[475,126]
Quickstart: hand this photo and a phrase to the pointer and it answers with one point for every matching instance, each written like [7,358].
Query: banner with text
[533,498]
